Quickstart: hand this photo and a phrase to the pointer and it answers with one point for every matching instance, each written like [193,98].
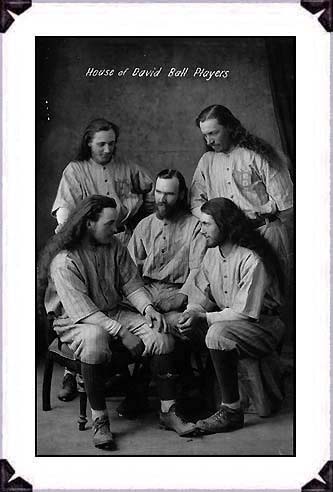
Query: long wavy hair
[173,173]
[238,229]
[69,237]
[239,136]
[98,125]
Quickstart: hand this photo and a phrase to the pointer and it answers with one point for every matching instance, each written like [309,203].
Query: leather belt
[262,220]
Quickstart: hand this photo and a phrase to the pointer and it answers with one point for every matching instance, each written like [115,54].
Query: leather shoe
[171,421]
[69,388]
[103,437]
[225,419]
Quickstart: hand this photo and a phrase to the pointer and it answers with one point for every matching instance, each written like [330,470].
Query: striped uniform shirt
[244,177]
[127,183]
[167,250]
[90,280]
[238,281]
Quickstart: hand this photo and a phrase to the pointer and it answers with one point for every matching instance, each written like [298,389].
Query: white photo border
[319,103]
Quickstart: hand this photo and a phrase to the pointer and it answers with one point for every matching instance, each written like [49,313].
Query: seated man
[97,169]
[168,248]
[242,277]
[91,271]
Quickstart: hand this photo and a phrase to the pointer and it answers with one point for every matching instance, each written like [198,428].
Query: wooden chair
[60,352]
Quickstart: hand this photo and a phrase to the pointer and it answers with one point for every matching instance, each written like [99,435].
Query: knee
[94,346]
[217,336]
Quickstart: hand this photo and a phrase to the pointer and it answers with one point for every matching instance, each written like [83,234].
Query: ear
[89,224]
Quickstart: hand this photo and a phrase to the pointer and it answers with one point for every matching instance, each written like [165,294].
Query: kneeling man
[91,271]
[236,294]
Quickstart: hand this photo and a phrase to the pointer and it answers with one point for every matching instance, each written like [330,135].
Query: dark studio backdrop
[156,115]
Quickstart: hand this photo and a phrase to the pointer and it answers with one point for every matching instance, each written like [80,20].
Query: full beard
[166,212]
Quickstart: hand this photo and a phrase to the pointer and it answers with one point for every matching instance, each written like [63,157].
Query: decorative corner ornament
[8,485]
[315,6]
[16,7]
[326,473]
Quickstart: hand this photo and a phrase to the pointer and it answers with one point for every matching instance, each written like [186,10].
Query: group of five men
[142,262]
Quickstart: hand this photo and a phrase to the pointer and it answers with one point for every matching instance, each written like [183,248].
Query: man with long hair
[98,170]
[240,166]
[168,248]
[92,271]
[236,297]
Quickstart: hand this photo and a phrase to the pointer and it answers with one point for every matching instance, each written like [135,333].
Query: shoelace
[102,425]
[221,413]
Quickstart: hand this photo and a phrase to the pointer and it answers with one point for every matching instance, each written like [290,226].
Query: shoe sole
[183,434]
[66,398]
[219,431]
[107,446]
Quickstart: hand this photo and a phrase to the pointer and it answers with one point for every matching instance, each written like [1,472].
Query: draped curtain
[281,61]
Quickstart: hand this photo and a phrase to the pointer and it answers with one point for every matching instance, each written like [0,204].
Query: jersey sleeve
[251,288]
[277,181]
[136,246]
[198,190]
[129,277]
[72,290]
[198,248]
[142,184]
[69,191]
[198,291]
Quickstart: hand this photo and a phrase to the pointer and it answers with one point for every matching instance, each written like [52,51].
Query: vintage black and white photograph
[165,293]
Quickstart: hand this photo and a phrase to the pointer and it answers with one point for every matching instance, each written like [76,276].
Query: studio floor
[57,432]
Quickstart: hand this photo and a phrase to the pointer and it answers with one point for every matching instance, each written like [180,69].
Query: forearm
[108,324]
[226,314]
[139,299]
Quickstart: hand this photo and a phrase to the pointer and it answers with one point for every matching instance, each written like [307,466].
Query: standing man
[97,170]
[239,166]
[91,272]
[237,295]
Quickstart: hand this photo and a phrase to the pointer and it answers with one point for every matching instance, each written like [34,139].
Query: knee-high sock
[94,382]
[165,375]
[225,364]
[182,357]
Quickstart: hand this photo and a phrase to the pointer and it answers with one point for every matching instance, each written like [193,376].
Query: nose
[163,198]
[209,139]
[108,148]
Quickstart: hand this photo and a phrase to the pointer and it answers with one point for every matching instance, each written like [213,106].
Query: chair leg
[82,420]
[47,378]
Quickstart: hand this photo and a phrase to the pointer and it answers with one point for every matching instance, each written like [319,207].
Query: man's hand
[132,342]
[188,319]
[156,319]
